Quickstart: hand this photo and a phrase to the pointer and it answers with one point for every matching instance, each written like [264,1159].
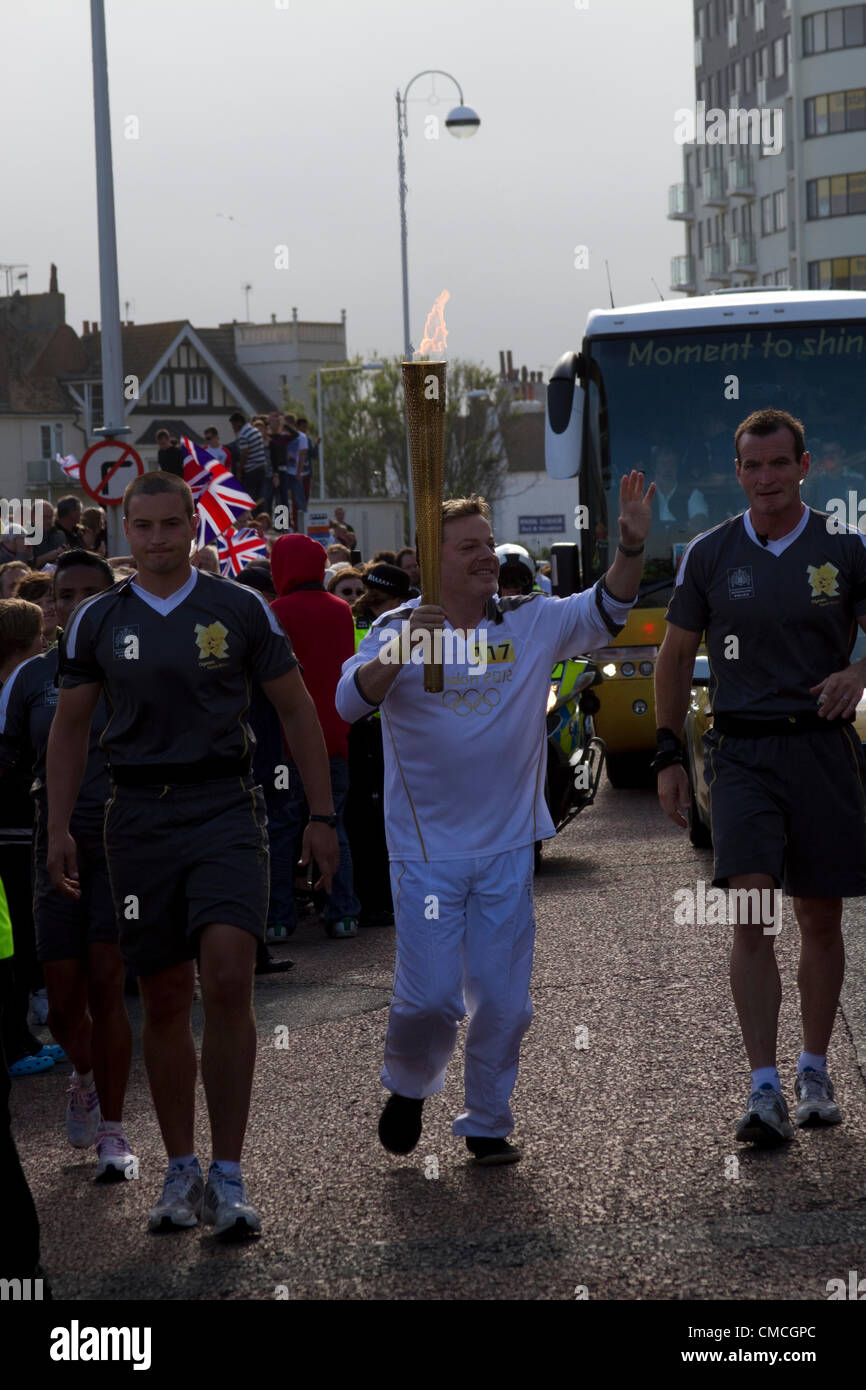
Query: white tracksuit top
[464,769]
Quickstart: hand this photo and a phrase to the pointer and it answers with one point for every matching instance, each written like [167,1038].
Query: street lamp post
[462,122]
[362,367]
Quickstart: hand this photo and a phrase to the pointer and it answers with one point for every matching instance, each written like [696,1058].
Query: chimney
[85,328]
[52,284]
[343,317]
[273,318]
[501,365]
[294,314]
[511,372]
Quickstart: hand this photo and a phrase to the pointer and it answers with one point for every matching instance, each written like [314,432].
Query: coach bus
[663,387]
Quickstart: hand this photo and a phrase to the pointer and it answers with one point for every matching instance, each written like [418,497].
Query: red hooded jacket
[320,628]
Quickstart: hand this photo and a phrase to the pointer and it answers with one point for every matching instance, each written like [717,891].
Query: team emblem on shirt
[49,693]
[211,640]
[740,583]
[823,580]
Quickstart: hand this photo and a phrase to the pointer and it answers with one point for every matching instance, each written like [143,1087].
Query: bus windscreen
[670,404]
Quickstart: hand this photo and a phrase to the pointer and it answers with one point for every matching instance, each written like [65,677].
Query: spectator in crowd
[385,587]
[213,446]
[20,639]
[11,575]
[169,456]
[206,558]
[19,1253]
[65,534]
[338,555]
[93,530]
[14,546]
[407,560]
[39,588]
[76,940]
[261,522]
[384,557]
[252,455]
[344,533]
[311,458]
[348,584]
[297,452]
[280,436]
[319,627]
[45,518]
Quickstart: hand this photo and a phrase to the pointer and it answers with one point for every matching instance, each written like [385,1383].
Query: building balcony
[681,202]
[743,253]
[713,188]
[716,261]
[741,178]
[683,273]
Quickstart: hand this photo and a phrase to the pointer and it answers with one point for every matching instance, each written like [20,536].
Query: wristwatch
[330,820]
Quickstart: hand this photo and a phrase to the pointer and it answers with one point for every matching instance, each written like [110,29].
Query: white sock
[811,1061]
[766,1076]
[177,1165]
[111,1127]
[226,1167]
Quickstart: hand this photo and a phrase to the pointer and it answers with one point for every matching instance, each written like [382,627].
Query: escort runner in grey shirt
[792,605]
[177,671]
[27,707]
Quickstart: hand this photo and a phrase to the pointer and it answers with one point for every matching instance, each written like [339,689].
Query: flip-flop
[54,1051]
[29,1066]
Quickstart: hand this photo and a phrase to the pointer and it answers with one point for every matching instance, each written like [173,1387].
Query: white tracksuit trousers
[465,935]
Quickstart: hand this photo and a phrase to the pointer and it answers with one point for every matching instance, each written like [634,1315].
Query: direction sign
[118,456]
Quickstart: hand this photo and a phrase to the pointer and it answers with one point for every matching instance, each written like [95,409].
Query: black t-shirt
[57,537]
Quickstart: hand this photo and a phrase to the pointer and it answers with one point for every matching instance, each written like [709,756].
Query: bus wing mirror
[563,430]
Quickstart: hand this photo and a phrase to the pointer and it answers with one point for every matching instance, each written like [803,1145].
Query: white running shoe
[116,1159]
[766,1121]
[83,1116]
[226,1208]
[179,1207]
[816,1101]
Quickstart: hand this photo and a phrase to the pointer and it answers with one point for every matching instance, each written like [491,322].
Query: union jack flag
[219,496]
[236,548]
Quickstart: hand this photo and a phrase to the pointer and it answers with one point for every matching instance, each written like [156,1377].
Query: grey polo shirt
[791,605]
[27,707]
[177,672]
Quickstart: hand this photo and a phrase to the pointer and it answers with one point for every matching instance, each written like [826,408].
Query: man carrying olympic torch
[464,805]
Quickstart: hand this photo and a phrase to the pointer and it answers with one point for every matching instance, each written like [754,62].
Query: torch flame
[435,332]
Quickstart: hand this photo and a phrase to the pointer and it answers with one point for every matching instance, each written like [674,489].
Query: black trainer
[490,1152]
[400,1124]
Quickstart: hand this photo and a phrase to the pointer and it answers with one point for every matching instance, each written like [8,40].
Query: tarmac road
[631,1186]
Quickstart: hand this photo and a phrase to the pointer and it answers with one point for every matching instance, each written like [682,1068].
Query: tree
[364,428]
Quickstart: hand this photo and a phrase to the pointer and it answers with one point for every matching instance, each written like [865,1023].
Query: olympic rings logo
[473,700]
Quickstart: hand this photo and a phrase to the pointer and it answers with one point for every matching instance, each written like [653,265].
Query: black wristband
[631,552]
[663,760]
[325,820]
[666,738]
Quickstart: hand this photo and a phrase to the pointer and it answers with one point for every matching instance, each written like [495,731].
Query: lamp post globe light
[462,122]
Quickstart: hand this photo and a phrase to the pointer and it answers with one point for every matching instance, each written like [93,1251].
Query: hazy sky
[281,115]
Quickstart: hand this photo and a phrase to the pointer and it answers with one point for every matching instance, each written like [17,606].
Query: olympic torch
[424,393]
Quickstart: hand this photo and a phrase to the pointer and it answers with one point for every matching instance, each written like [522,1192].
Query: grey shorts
[182,857]
[793,807]
[65,927]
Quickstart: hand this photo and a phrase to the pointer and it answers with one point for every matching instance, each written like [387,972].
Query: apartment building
[774,165]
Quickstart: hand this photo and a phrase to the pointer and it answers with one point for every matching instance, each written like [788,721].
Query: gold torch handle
[424,391]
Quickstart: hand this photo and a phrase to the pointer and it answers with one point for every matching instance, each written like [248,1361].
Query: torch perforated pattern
[424,391]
